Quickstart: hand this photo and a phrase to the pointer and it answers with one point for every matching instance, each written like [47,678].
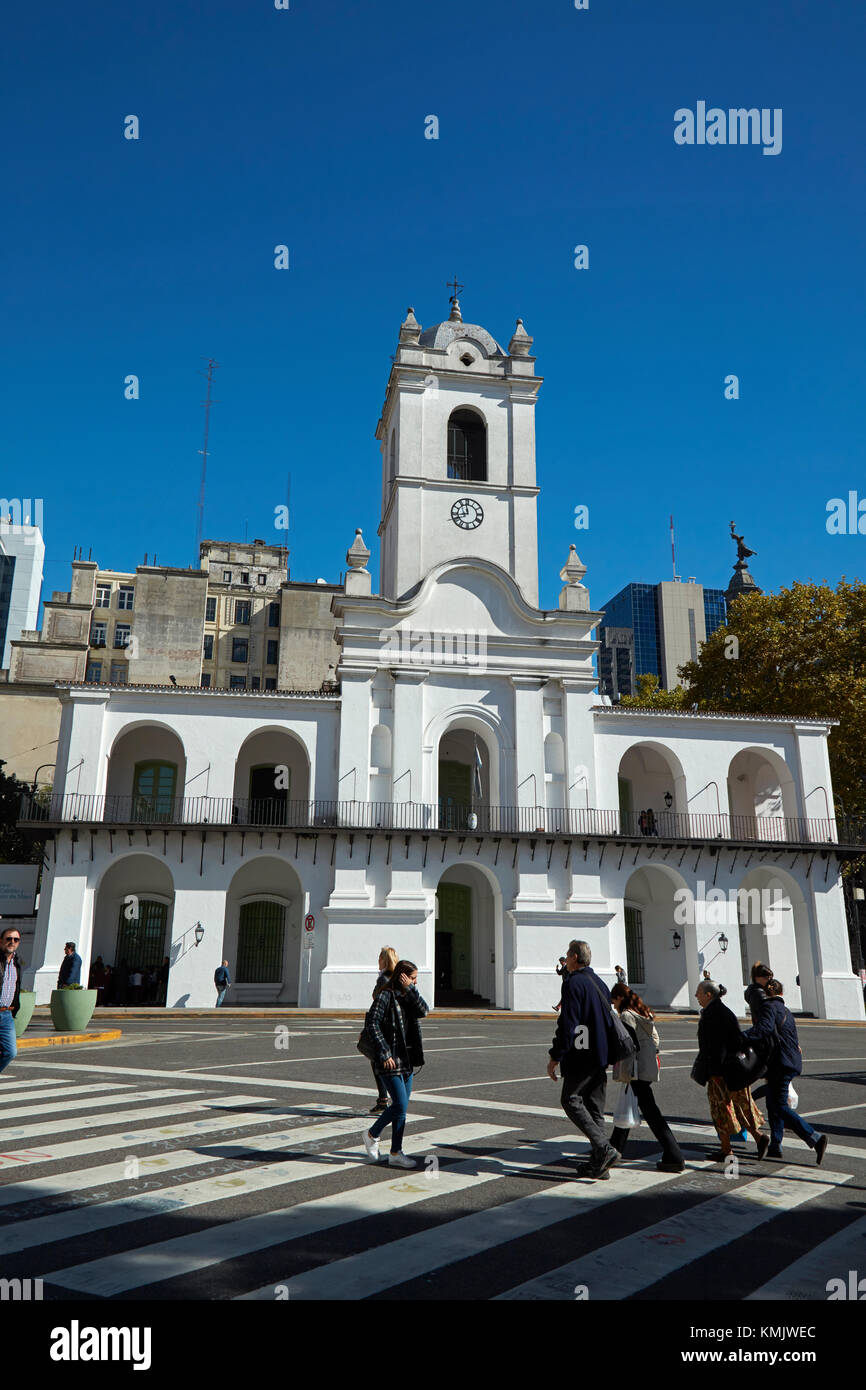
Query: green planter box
[26,1005]
[72,1009]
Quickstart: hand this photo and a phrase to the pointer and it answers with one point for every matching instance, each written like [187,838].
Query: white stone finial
[455,316]
[520,341]
[575,596]
[357,555]
[410,328]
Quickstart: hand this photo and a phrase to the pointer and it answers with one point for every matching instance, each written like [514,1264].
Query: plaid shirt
[393,1021]
[9,986]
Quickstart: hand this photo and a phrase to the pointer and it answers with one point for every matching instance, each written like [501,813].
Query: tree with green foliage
[800,653]
[15,846]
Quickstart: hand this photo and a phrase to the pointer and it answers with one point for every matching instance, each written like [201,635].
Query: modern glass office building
[652,629]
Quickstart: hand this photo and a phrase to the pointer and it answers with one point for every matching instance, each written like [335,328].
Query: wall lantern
[472,821]
[669,801]
[677,941]
[199,933]
[723,941]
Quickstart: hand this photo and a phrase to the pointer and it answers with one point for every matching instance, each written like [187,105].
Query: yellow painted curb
[58,1039]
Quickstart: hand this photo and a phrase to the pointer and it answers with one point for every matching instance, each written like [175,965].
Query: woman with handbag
[785,1062]
[387,961]
[719,1041]
[640,1074]
[392,1023]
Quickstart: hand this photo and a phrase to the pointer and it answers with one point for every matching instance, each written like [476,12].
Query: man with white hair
[580,1046]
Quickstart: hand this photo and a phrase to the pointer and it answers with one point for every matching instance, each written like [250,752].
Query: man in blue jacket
[776,1028]
[70,966]
[580,1046]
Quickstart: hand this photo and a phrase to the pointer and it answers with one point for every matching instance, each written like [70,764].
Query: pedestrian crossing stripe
[373,1271]
[83,1122]
[168,1259]
[630,1265]
[57,1100]
[810,1277]
[41,1230]
[136,1138]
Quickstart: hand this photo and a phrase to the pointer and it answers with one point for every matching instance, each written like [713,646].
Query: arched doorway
[660,938]
[132,929]
[272,780]
[465,938]
[652,790]
[761,795]
[466,777]
[146,776]
[262,932]
[774,928]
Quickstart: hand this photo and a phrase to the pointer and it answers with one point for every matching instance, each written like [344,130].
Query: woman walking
[786,1061]
[387,961]
[642,1074]
[393,1023]
[756,992]
[719,1037]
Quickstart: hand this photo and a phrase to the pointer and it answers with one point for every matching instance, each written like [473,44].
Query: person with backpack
[581,1046]
[720,1039]
[776,1022]
[393,1027]
[387,961]
[641,1073]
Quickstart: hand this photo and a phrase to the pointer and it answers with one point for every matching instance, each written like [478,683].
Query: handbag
[622,1042]
[700,1071]
[626,1115]
[743,1068]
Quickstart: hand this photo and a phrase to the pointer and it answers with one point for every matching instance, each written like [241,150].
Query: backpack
[366,1043]
[622,1041]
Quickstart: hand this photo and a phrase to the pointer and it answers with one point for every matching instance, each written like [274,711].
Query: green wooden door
[153,791]
[455,920]
[455,794]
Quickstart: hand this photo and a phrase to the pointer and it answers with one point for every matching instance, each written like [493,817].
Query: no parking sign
[309,924]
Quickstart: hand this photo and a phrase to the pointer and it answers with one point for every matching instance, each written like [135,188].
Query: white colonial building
[460,793]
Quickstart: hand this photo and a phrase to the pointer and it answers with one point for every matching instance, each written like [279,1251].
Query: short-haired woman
[776,1023]
[642,1072]
[387,961]
[719,1037]
[393,1022]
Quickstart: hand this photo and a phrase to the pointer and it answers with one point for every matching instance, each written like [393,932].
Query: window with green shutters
[261,933]
[153,791]
[634,945]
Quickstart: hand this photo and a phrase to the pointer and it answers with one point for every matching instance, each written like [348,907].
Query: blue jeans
[8,1043]
[779,1113]
[221,994]
[399,1089]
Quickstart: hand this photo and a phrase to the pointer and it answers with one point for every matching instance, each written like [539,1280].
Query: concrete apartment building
[22,555]
[237,622]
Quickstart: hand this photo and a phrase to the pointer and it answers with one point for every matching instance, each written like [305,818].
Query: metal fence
[281,813]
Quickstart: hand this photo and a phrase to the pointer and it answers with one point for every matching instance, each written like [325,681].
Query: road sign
[309,922]
[308,941]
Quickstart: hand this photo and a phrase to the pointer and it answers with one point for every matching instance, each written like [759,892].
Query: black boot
[618,1139]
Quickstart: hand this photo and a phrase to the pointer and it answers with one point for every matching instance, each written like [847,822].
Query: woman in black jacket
[393,1023]
[776,1023]
[756,992]
[387,960]
[719,1037]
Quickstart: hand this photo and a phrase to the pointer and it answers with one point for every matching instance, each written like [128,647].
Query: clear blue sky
[306,127]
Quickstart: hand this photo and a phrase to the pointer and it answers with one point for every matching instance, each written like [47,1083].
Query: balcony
[671,828]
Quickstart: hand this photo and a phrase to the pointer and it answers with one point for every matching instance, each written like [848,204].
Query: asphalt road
[218,1158]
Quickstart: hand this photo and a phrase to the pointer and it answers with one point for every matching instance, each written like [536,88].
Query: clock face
[466,514]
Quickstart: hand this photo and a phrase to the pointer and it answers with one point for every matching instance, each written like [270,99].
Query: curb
[59,1039]
[354,1015]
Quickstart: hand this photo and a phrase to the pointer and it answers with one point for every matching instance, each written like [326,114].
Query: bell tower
[457,434]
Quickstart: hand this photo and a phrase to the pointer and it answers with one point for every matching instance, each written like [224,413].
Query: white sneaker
[372,1147]
[400,1161]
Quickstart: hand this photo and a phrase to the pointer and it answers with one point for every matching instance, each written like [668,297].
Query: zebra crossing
[212,1191]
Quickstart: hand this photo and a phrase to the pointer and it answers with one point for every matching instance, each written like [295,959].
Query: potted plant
[72,1008]
[26,1005]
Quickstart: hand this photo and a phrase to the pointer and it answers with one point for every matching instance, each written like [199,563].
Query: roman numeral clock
[467,514]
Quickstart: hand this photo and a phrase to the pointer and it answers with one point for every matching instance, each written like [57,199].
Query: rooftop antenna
[207,403]
[673,551]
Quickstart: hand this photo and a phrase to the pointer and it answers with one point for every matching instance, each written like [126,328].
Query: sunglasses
[12,938]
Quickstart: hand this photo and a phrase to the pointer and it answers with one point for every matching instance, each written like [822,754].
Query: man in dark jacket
[776,1025]
[70,966]
[10,988]
[222,979]
[580,1046]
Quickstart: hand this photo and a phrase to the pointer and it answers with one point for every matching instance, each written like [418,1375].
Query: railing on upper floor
[284,814]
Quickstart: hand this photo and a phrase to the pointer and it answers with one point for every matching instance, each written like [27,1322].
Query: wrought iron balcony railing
[587,822]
